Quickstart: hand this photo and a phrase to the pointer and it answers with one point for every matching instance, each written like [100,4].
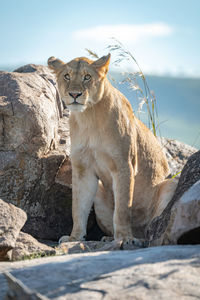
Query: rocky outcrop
[182,214]
[184,224]
[185,214]
[14,244]
[167,272]
[32,149]
[12,219]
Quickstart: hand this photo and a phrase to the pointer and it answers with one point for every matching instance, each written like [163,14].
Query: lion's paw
[138,243]
[63,239]
[130,242]
[107,239]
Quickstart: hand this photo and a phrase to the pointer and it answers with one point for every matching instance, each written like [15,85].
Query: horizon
[11,68]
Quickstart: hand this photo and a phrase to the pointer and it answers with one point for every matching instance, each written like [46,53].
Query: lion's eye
[87,77]
[67,77]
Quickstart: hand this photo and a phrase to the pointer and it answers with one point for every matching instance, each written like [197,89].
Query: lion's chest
[94,154]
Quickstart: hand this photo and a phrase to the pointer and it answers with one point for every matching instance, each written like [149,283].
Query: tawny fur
[117,163]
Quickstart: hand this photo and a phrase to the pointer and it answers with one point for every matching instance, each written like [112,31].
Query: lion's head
[81,81]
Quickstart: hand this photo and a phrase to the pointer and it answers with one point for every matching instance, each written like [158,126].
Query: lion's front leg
[84,188]
[123,186]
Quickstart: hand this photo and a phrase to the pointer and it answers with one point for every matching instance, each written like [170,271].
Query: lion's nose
[75,95]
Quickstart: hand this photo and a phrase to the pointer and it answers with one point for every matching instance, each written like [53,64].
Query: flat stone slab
[167,272]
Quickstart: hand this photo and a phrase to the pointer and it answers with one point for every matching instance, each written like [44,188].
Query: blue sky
[164,36]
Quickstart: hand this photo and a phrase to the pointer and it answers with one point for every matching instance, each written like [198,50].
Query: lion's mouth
[75,102]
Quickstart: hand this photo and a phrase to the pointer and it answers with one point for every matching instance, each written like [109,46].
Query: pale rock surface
[183,211]
[12,220]
[185,215]
[167,272]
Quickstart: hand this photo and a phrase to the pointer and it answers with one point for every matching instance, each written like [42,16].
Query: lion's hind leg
[165,192]
[104,210]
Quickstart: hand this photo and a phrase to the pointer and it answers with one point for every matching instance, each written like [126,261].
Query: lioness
[117,163]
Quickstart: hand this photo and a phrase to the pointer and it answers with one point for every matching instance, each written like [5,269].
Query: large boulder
[31,152]
[184,223]
[181,217]
[12,219]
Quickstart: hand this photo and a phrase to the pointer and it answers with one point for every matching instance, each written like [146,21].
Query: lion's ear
[55,63]
[102,64]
